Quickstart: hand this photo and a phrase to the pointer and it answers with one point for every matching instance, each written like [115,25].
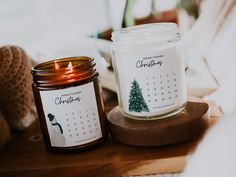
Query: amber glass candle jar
[69,104]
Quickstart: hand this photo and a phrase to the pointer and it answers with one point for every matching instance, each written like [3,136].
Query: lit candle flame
[56,65]
[70,67]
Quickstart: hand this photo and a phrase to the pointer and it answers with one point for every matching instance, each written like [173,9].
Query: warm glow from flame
[56,65]
[70,67]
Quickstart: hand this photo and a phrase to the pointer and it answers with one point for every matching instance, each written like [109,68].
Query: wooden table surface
[26,156]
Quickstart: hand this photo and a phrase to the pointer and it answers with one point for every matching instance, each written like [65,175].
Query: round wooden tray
[182,127]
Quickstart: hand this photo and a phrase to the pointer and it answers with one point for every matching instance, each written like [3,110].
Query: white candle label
[71,115]
[151,83]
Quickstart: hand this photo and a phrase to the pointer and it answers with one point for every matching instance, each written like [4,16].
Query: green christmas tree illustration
[136,100]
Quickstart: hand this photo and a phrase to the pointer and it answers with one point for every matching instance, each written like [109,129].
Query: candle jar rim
[46,75]
[152,31]
[85,63]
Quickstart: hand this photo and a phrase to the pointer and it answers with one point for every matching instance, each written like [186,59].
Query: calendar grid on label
[161,90]
[81,125]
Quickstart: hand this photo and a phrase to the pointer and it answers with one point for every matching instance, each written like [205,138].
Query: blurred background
[40,26]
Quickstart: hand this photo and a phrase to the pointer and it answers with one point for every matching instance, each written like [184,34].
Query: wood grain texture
[26,156]
[181,127]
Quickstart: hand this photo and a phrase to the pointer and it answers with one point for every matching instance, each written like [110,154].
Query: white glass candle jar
[149,70]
